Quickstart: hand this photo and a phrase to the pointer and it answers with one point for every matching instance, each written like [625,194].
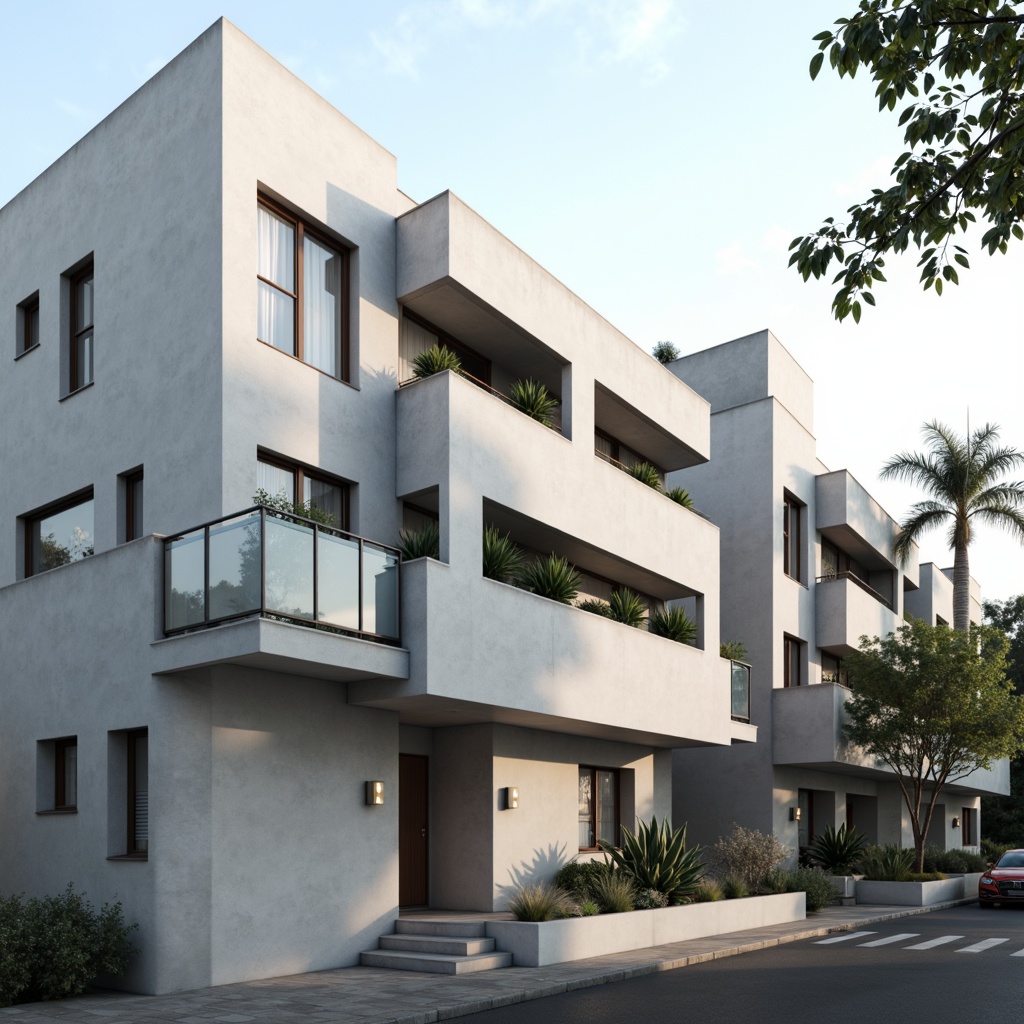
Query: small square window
[27,325]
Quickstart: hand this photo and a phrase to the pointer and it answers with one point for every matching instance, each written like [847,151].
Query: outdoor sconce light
[956,823]
[511,797]
[374,794]
[794,814]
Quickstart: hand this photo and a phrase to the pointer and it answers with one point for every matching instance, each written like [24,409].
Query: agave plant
[436,360]
[595,607]
[422,543]
[837,850]
[646,474]
[887,863]
[533,398]
[681,496]
[502,556]
[552,577]
[657,858]
[625,606]
[674,624]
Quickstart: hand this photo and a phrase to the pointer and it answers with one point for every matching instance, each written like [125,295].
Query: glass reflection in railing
[740,691]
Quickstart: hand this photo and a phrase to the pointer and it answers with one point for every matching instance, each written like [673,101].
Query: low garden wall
[914,894]
[537,944]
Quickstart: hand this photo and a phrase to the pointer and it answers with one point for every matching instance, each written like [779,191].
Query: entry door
[412,831]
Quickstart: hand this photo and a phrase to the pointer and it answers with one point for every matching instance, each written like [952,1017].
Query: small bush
[734,888]
[436,360]
[953,861]
[552,577]
[775,882]
[540,902]
[595,607]
[708,891]
[748,855]
[681,496]
[733,650]
[646,474]
[588,908]
[502,557]
[534,399]
[991,852]
[614,892]
[816,884]
[673,624]
[281,503]
[422,543]
[626,607]
[887,863]
[665,352]
[926,876]
[649,899]
[578,877]
[837,850]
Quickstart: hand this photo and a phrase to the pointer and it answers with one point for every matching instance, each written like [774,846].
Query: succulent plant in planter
[595,607]
[681,496]
[626,607]
[502,556]
[673,624]
[657,858]
[422,543]
[646,474]
[436,360]
[533,398]
[552,577]
[837,850]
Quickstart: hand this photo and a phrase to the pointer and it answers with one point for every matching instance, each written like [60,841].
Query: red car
[1004,881]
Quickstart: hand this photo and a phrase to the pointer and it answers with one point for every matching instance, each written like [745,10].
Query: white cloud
[733,260]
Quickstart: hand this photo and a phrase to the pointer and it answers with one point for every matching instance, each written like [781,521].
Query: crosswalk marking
[932,943]
[890,938]
[980,947]
[843,938]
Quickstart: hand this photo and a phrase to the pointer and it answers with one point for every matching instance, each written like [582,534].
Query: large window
[138,793]
[81,340]
[792,514]
[59,534]
[298,485]
[598,806]
[301,286]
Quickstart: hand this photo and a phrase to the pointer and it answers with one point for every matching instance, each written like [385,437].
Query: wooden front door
[412,831]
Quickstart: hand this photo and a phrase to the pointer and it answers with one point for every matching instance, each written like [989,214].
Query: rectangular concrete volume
[437,947]
[913,894]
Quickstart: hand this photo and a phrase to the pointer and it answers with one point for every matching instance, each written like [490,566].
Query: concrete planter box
[845,886]
[911,894]
[578,938]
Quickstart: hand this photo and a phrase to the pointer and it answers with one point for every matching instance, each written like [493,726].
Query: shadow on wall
[543,868]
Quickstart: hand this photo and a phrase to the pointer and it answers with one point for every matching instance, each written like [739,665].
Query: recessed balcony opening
[514,367]
[839,564]
[421,528]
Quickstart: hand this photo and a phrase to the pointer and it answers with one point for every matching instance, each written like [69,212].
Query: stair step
[458,929]
[450,945]
[434,963]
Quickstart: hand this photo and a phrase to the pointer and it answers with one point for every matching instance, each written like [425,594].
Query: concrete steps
[437,947]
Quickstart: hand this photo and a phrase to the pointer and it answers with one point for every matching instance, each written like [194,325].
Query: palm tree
[962,476]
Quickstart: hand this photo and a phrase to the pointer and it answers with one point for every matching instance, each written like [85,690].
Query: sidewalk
[372,995]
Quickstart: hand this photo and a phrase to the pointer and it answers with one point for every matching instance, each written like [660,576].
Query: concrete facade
[262,856]
[841,584]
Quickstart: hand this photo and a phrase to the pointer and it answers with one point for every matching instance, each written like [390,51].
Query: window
[59,534]
[81,329]
[792,659]
[969,823]
[65,774]
[302,284]
[132,505]
[599,806]
[138,793]
[28,325]
[612,450]
[300,486]
[791,536]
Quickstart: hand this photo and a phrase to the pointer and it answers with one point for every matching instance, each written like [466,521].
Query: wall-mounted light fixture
[794,814]
[374,794]
[956,823]
[511,797]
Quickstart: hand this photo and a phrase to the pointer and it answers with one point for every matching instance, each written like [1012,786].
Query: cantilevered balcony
[847,608]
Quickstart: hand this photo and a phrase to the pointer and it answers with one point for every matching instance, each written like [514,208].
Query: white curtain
[275,261]
[321,324]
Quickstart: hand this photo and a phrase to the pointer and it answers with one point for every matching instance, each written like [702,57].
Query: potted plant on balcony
[502,559]
[552,577]
[534,399]
[674,624]
[422,543]
[436,360]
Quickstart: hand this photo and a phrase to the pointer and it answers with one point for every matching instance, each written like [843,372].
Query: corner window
[792,661]
[300,486]
[132,505]
[598,806]
[792,533]
[27,325]
[81,339]
[138,793]
[301,282]
[59,534]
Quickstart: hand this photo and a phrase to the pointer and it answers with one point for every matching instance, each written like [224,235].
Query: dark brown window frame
[967,827]
[131,480]
[303,228]
[795,645]
[594,815]
[460,348]
[60,749]
[27,340]
[74,280]
[616,451]
[132,850]
[301,471]
[31,518]
[792,536]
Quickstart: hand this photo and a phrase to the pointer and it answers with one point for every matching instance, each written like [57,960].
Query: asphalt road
[949,967]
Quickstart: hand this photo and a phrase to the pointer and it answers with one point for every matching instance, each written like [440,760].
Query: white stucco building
[219,289]
[807,570]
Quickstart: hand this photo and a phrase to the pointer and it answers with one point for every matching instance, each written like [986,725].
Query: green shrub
[657,858]
[280,503]
[646,474]
[534,399]
[422,543]
[552,577]
[816,884]
[887,863]
[681,496]
[926,876]
[578,877]
[673,624]
[436,360]
[595,607]
[748,855]
[626,607]
[733,650]
[991,852]
[588,908]
[614,892]
[953,861]
[837,851]
[708,891]
[734,888]
[502,556]
[665,352]
[51,948]
[774,882]
[541,902]
[649,899]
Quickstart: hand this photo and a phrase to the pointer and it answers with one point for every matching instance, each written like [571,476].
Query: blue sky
[655,155]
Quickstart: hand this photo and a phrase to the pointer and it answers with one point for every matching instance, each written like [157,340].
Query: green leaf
[816,62]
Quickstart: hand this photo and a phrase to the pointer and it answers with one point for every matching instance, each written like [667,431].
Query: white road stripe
[1020,952]
[843,938]
[890,938]
[980,947]
[932,943]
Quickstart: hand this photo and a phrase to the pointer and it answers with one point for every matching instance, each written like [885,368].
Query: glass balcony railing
[266,562]
[740,692]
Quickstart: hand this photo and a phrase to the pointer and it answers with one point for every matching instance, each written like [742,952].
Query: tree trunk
[961,589]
